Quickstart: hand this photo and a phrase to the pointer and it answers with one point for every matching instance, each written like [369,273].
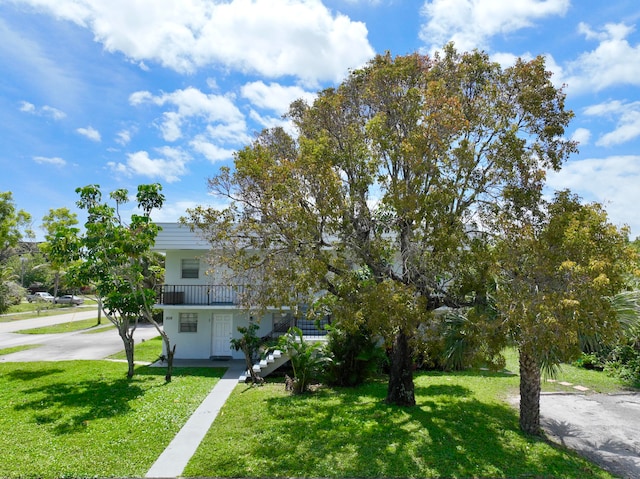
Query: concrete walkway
[175,457]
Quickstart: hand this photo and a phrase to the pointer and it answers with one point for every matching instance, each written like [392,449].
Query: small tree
[306,359]
[249,344]
[558,272]
[61,247]
[114,256]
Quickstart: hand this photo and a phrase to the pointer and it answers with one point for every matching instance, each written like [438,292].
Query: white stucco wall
[198,345]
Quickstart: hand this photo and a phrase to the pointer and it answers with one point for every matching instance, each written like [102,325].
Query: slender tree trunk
[401,390]
[529,393]
[128,341]
[171,352]
[255,379]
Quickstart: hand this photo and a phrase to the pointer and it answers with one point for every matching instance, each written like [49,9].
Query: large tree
[558,273]
[399,172]
[115,256]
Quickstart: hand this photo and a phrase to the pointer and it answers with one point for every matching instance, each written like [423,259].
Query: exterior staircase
[273,361]
[266,366]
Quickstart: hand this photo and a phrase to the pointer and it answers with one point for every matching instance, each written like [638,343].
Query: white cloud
[273,38]
[27,107]
[471,23]
[123,137]
[46,110]
[192,104]
[90,132]
[274,96]
[267,121]
[210,151]
[169,168]
[53,112]
[55,161]
[610,181]
[627,117]
[613,62]
[582,136]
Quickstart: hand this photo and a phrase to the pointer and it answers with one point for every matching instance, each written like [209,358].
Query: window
[190,268]
[188,323]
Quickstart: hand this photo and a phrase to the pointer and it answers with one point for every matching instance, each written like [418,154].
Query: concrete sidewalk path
[175,457]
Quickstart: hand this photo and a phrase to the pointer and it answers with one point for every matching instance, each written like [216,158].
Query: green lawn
[29,311]
[71,326]
[148,350]
[596,381]
[16,349]
[459,428]
[85,419]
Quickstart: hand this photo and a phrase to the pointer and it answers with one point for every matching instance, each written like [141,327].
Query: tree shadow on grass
[30,375]
[449,433]
[69,406]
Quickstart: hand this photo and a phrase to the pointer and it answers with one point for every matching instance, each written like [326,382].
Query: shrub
[306,359]
[354,356]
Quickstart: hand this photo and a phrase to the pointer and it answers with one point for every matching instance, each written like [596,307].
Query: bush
[590,361]
[354,357]
[306,359]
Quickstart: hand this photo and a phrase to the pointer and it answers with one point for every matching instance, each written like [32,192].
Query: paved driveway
[65,346]
[603,427]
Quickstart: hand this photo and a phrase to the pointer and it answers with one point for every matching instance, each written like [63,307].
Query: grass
[85,419]
[148,350]
[72,326]
[596,381]
[459,428]
[16,349]
[29,311]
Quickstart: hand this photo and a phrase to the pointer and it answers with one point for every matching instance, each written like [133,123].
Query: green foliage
[443,144]
[249,342]
[307,359]
[557,272]
[15,225]
[115,257]
[355,356]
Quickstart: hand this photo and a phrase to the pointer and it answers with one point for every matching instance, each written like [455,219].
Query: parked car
[40,296]
[69,299]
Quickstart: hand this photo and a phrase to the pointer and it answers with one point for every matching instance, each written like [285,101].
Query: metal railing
[198,295]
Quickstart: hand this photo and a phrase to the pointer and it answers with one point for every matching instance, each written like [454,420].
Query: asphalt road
[64,346]
[605,428]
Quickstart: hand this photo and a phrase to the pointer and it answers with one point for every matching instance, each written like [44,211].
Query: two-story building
[201,310]
[200,313]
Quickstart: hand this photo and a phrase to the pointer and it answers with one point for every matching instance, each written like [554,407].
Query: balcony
[199,295]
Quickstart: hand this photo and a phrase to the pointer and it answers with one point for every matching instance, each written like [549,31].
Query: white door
[221,335]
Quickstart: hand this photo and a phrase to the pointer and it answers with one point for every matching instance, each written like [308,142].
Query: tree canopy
[114,254]
[391,188]
[557,274]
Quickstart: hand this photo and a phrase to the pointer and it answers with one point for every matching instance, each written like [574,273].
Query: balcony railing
[199,295]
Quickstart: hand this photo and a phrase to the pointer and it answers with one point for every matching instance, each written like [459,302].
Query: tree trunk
[255,379]
[529,393]
[171,352]
[127,339]
[401,391]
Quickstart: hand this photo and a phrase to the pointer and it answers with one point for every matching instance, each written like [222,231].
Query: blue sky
[124,92]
